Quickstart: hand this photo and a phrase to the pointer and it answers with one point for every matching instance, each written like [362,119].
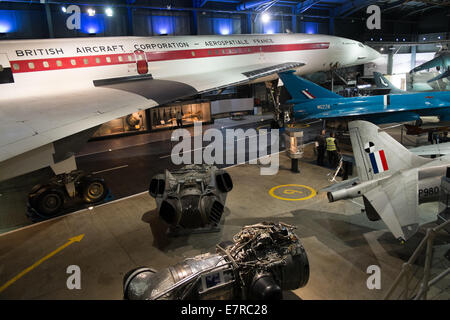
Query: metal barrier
[406,272]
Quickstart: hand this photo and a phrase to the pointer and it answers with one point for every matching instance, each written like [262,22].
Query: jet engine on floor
[191,198]
[262,260]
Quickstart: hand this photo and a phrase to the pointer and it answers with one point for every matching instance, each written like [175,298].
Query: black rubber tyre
[32,195]
[94,190]
[49,202]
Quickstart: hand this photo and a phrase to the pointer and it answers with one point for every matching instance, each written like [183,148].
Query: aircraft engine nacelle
[191,197]
[352,192]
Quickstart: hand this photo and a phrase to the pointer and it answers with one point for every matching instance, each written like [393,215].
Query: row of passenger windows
[228,51]
[73,62]
[130,58]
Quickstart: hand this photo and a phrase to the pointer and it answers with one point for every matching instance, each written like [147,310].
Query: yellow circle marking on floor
[292,191]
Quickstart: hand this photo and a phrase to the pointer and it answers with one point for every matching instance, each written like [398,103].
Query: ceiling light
[109,12]
[265,17]
[91,12]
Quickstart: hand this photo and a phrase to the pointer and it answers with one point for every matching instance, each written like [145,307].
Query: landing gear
[47,201]
[281,114]
[51,199]
[94,190]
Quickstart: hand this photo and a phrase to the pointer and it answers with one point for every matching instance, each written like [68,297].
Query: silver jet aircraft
[391,179]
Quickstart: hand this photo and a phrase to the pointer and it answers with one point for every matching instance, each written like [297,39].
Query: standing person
[179,119]
[321,146]
[332,150]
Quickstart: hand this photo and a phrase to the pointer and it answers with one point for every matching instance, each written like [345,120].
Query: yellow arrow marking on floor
[24,272]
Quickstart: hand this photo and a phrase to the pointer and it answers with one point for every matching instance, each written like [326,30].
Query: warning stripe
[51,64]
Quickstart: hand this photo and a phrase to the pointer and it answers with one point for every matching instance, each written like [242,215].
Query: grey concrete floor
[340,241]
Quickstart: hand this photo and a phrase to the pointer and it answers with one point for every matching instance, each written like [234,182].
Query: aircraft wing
[395,200]
[34,121]
[361,112]
[446,74]
[428,65]
[432,149]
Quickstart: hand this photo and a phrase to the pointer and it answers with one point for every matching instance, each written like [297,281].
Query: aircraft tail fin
[377,154]
[383,83]
[302,90]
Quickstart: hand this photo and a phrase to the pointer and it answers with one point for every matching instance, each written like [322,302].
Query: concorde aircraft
[312,102]
[55,92]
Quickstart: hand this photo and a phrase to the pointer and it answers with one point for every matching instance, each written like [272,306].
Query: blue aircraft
[312,102]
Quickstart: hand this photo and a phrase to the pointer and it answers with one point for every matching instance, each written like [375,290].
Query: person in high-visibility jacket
[332,150]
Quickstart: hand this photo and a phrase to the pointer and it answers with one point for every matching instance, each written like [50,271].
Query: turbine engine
[262,260]
[192,197]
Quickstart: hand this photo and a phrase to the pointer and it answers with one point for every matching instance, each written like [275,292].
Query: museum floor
[340,241]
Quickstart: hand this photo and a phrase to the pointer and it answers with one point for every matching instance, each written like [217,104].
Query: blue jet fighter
[312,102]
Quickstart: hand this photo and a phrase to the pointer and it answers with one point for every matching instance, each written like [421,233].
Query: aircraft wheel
[94,190]
[49,202]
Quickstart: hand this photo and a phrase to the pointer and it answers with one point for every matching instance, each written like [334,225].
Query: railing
[406,272]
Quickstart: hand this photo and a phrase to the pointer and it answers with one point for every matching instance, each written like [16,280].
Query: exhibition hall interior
[246,150]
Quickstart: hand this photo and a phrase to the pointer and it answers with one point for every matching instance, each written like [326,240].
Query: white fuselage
[55,65]
[428,182]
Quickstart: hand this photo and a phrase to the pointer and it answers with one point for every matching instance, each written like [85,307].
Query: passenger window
[97,60]
[59,63]
[31,65]
[193,53]
[46,65]
[130,58]
[16,66]
[73,62]
[209,52]
[217,51]
[120,59]
[86,61]
[249,50]
[108,59]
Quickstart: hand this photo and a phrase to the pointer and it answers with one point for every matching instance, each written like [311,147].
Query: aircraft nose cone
[373,54]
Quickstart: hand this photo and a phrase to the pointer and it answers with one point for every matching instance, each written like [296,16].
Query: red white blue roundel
[377,158]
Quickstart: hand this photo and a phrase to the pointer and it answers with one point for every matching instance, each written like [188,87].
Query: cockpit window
[360,44]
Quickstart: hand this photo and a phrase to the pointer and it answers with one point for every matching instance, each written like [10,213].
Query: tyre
[49,202]
[94,190]
[32,195]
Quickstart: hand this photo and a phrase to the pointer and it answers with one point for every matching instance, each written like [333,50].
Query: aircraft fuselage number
[428,192]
